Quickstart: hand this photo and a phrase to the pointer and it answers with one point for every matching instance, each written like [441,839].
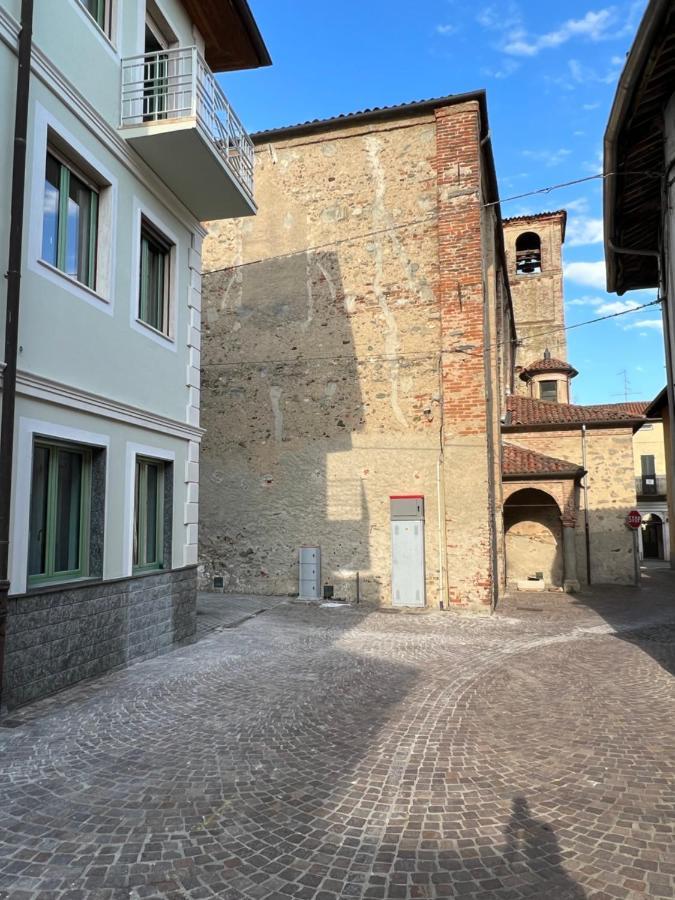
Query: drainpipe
[586,527]
[12,314]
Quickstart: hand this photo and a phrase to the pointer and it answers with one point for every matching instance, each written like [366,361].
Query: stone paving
[338,753]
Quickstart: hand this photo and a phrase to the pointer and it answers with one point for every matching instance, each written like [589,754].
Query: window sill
[55,584]
[155,331]
[74,282]
[100,32]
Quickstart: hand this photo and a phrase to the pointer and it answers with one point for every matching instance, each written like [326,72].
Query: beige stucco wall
[650,440]
[322,382]
[611,495]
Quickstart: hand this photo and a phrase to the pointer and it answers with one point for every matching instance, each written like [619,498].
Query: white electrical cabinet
[407,551]
[310,573]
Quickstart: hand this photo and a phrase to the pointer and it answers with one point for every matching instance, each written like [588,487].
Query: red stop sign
[634,519]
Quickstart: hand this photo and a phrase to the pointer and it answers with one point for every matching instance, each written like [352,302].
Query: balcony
[651,485]
[177,118]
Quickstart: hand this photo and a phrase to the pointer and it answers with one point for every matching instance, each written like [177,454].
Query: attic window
[528,254]
[548,390]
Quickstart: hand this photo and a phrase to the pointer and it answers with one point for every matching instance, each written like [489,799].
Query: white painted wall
[86,366]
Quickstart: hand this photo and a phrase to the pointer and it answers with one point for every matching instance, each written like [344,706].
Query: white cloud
[579,205]
[446,30]
[590,274]
[584,230]
[508,67]
[613,307]
[590,106]
[655,324]
[548,157]
[582,74]
[594,26]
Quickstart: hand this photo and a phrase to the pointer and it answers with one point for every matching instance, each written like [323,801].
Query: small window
[149,515]
[528,254]
[153,308]
[98,10]
[69,221]
[59,512]
[548,390]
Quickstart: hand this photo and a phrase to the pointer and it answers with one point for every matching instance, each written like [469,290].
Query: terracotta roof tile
[520,461]
[548,364]
[541,215]
[528,411]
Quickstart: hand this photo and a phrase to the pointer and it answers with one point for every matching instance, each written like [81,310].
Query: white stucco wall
[86,366]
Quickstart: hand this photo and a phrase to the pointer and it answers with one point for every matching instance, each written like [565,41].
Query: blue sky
[550,71]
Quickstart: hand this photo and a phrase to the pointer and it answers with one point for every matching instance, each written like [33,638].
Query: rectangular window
[98,10]
[149,515]
[548,390]
[69,221]
[153,307]
[59,512]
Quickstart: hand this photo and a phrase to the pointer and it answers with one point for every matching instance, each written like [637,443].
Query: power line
[419,354]
[412,222]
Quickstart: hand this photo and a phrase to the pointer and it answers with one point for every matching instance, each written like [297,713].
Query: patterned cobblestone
[336,753]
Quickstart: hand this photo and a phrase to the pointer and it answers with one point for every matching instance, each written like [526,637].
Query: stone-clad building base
[61,635]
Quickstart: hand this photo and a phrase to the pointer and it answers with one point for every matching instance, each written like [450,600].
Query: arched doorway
[652,536]
[534,538]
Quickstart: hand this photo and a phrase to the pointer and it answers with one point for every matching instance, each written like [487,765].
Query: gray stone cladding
[58,637]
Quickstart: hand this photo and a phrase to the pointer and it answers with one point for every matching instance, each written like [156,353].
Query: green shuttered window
[69,222]
[149,515]
[59,513]
[153,307]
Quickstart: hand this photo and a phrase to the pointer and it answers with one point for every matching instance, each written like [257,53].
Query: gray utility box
[407,551]
[310,573]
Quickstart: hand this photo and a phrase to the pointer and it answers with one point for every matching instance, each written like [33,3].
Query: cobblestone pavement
[229,610]
[331,753]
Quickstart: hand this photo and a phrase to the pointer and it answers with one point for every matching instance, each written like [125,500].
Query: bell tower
[534,256]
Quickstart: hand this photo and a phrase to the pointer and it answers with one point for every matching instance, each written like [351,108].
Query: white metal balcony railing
[177,84]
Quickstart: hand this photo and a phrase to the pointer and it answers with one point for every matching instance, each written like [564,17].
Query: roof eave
[544,476]
[621,106]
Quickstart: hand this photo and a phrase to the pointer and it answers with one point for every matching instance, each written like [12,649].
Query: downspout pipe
[13,277]
[587,530]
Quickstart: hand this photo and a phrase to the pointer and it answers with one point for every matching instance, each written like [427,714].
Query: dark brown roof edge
[570,426]
[378,113]
[633,70]
[251,26]
[578,472]
[653,411]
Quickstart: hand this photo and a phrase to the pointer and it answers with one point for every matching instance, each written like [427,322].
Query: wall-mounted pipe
[12,313]
[587,530]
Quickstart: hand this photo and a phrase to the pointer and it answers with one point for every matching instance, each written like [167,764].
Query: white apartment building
[131,144]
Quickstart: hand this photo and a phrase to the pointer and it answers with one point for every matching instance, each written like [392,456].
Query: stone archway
[533,531]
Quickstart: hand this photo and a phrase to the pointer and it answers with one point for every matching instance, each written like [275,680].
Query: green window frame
[98,10]
[60,505]
[69,221]
[154,279]
[148,550]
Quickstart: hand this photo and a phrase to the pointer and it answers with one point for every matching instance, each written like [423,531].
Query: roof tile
[528,411]
[521,461]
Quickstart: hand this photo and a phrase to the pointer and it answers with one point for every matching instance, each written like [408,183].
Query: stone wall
[58,637]
[324,383]
[611,495]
